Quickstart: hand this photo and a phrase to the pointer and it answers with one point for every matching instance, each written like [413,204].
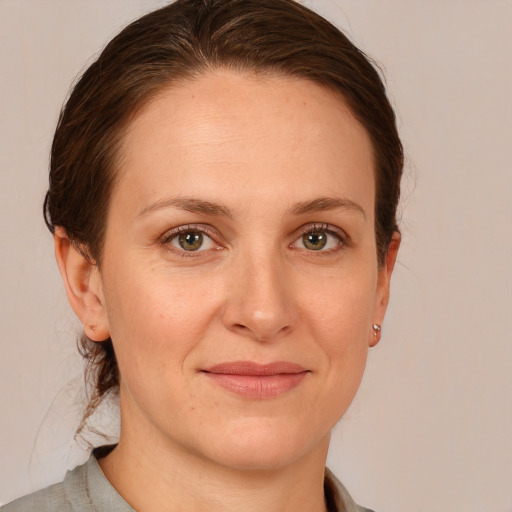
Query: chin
[258,448]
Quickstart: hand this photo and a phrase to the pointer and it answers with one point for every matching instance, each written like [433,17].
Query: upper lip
[251,368]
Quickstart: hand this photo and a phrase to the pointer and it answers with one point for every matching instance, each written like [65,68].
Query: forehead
[253,135]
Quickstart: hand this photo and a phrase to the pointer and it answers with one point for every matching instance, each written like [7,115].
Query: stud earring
[90,331]
[376,334]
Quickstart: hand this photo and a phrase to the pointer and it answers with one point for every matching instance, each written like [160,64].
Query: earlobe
[383,285]
[83,284]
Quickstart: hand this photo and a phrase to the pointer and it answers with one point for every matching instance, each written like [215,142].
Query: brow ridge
[194,205]
[189,204]
[321,204]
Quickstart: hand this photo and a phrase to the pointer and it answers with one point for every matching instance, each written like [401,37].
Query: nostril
[242,329]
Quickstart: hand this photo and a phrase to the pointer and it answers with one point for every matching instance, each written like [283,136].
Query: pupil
[191,240]
[315,241]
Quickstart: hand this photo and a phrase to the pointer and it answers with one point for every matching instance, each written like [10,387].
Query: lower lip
[258,386]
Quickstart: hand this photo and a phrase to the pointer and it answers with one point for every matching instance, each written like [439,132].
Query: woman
[223,191]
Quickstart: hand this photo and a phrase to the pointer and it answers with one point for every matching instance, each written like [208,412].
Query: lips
[255,380]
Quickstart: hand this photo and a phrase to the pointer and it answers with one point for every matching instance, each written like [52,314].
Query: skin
[261,152]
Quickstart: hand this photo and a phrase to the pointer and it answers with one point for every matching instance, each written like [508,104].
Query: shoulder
[85,489]
[337,497]
[51,499]
[67,496]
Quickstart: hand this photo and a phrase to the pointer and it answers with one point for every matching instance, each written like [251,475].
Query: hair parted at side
[181,42]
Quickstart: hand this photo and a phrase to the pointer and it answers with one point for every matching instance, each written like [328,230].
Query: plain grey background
[431,428]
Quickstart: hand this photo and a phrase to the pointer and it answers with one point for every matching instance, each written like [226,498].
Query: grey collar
[94,488]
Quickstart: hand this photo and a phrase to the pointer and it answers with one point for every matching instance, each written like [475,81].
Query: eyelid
[163,240]
[172,233]
[322,226]
[343,237]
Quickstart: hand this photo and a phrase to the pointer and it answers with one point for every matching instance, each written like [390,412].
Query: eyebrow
[193,205]
[188,204]
[322,204]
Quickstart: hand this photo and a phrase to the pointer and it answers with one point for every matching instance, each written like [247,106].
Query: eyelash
[337,233]
[169,236]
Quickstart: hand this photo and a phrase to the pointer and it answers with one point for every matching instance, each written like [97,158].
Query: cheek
[339,318]
[156,319]
[341,331]
[340,309]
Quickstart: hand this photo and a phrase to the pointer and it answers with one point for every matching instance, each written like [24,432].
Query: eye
[321,238]
[189,239]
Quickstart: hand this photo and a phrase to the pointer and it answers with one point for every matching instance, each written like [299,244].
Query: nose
[259,302]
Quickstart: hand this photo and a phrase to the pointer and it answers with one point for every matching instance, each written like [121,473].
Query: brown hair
[178,42]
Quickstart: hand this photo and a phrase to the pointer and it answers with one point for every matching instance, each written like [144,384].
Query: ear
[383,283]
[84,287]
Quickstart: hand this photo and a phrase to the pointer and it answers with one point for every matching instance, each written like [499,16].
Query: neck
[164,477]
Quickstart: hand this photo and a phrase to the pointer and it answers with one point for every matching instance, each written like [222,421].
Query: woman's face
[239,277]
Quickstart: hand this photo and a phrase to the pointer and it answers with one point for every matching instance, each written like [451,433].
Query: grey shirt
[86,489]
